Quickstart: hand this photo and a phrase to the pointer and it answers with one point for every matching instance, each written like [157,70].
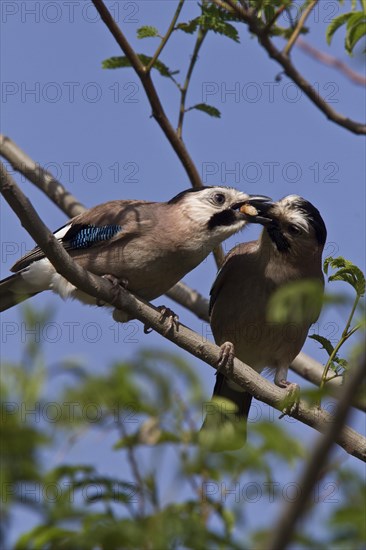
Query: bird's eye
[219,198]
[294,229]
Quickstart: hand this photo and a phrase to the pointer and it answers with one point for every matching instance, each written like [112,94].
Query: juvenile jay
[289,249]
[146,246]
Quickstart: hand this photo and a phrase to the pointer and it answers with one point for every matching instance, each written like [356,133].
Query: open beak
[256,209]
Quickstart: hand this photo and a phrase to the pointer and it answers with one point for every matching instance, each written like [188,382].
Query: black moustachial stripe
[278,238]
[84,236]
[226,217]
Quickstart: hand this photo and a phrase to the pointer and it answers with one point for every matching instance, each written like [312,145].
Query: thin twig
[240,373]
[331,61]
[292,512]
[166,36]
[301,22]
[258,30]
[272,21]
[199,41]
[134,469]
[344,337]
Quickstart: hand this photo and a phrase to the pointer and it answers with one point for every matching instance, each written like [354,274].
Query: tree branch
[249,17]
[43,179]
[185,338]
[190,299]
[305,366]
[311,370]
[292,512]
[301,22]
[152,95]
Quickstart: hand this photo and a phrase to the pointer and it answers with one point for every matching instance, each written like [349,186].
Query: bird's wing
[95,227]
[243,248]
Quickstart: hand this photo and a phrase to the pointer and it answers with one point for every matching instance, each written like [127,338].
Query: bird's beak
[256,209]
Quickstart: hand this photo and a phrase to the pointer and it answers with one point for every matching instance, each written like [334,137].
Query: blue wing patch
[85,236]
[78,236]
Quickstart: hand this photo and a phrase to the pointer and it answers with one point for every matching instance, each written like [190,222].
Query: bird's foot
[292,398]
[165,312]
[116,283]
[227,354]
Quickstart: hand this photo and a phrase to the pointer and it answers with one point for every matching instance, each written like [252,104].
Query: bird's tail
[12,291]
[225,425]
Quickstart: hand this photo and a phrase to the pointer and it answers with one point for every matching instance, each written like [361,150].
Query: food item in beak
[249,210]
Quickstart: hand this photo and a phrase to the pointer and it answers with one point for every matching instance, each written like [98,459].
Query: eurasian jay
[146,246]
[289,249]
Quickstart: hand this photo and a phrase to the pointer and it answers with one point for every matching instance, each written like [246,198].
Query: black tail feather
[9,292]
[225,425]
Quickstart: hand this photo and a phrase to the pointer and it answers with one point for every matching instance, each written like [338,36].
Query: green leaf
[325,343]
[355,27]
[66,470]
[138,438]
[348,273]
[228,518]
[269,11]
[297,302]
[189,27]
[208,109]
[221,429]
[277,441]
[147,32]
[354,20]
[213,19]
[342,362]
[116,63]
[356,32]
[43,536]
[123,61]
[337,363]
[335,25]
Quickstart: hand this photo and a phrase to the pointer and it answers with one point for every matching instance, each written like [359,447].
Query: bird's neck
[309,258]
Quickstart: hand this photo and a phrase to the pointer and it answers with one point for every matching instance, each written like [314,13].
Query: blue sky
[92,129]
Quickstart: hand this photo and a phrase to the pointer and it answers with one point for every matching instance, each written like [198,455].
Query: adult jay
[289,249]
[146,246]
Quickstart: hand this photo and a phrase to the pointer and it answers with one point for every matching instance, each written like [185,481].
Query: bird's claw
[173,317]
[292,398]
[116,283]
[165,312]
[227,354]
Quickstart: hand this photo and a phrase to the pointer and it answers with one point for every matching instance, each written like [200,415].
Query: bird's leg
[227,354]
[166,312]
[293,391]
[116,283]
